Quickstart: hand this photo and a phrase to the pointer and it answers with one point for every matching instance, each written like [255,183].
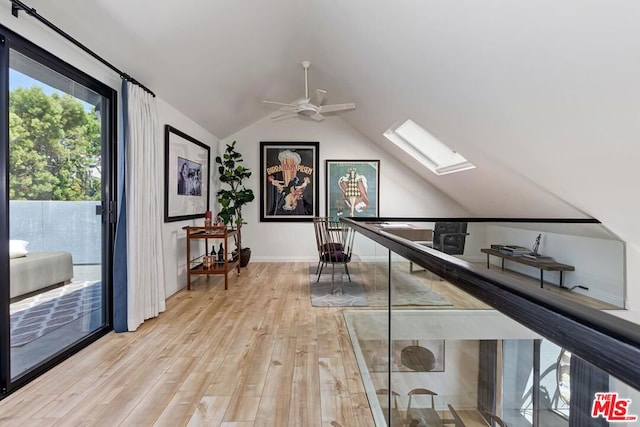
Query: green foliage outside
[54,147]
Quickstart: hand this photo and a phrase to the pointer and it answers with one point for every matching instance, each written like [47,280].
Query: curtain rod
[17,5]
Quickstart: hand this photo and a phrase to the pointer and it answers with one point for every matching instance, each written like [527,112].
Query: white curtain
[144,182]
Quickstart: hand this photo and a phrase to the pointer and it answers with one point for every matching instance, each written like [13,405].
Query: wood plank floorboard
[257,354]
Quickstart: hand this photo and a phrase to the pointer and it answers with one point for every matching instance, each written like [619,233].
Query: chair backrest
[317,228]
[333,236]
[384,393]
[449,237]
[423,391]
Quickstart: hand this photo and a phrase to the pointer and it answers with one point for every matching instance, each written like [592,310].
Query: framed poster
[288,181]
[186,176]
[352,188]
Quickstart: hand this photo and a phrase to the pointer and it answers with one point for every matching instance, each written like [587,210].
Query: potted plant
[232,173]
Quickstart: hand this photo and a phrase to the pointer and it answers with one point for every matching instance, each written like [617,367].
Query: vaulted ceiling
[541,95]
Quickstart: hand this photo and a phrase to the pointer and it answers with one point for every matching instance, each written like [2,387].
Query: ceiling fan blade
[317,117]
[280,103]
[318,97]
[284,116]
[336,107]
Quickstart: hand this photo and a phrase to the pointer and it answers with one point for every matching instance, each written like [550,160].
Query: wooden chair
[316,228]
[457,421]
[493,419]
[335,244]
[393,411]
[426,415]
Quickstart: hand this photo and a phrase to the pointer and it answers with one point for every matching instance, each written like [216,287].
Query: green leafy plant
[237,195]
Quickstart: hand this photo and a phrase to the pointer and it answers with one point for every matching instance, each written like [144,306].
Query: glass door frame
[9,40]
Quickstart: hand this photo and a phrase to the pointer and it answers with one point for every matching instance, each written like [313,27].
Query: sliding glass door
[57,216]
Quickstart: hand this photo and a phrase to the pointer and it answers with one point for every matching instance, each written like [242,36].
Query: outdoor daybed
[33,271]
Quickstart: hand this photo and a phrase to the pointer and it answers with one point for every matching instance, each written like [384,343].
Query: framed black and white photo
[288,181]
[352,188]
[186,180]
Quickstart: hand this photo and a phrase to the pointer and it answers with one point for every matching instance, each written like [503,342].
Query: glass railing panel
[464,362]
[582,262]
[567,389]
[368,323]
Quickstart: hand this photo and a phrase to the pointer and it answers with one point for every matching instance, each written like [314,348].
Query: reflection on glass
[55,184]
[435,355]
[563,376]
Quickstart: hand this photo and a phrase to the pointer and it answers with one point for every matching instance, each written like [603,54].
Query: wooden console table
[543,266]
[196,265]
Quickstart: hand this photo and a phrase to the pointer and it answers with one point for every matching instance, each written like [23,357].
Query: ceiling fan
[310,107]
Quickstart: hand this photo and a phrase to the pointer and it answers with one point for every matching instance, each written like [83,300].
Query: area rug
[38,315]
[407,290]
[370,287]
[345,293]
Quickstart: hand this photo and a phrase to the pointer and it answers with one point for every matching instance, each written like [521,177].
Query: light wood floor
[257,354]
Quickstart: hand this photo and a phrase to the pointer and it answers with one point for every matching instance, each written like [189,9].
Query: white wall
[173,241]
[599,263]
[173,236]
[457,385]
[577,184]
[633,278]
[37,33]
[461,330]
[402,192]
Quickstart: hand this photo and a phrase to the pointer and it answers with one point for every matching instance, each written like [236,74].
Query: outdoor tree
[54,147]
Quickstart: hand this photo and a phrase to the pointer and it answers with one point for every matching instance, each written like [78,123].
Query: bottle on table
[221,253]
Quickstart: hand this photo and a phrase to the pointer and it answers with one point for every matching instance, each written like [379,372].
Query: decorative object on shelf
[233,199]
[352,188]
[207,261]
[289,181]
[207,219]
[536,245]
[186,180]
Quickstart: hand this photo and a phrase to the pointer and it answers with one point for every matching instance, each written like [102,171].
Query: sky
[18,79]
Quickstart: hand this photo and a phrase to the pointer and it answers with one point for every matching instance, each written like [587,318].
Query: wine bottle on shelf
[212,257]
[221,254]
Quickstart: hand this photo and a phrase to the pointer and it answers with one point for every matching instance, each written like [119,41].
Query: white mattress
[39,270]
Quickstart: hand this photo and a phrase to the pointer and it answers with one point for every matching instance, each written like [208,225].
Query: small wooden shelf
[196,265]
[542,265]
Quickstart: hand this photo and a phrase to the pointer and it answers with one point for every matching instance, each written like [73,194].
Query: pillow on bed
[17,248]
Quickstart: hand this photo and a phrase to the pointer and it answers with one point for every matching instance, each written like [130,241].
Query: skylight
[427,149]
